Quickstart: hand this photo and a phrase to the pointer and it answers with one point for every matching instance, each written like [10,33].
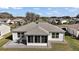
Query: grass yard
[61,47]
[73,43]
[4,40]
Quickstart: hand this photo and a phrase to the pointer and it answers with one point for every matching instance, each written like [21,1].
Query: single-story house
[52,20]
[37,34]
[64,21]
[74,30]
[6,21]
[3,20]
[4,29]
[18,20]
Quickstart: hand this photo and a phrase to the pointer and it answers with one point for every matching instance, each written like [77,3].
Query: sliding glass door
[37,39]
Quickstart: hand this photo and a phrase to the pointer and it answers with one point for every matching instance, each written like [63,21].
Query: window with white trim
[44,39]
[55,35]
[20,34]
[30,39]
[37,39]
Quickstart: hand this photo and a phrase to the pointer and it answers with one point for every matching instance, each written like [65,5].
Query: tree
[6,15]
[31,16]
[66,17]
[59,22]
[77,16]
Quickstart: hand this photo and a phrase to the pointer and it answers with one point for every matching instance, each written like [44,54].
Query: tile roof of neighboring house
[3,19]
[17,20]
[40,28]
[74,26]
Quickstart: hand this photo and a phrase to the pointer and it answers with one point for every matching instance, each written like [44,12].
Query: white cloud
[49,8]
[36,8]
[66,8]
[40,14]
[17,7]
[4,7]
[11,7]
[72,9]
[29,10]
[53,13]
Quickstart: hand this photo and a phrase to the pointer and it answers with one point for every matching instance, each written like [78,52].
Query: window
[20,34]
[37,39]
[55,35]
[44,39]
[30,39]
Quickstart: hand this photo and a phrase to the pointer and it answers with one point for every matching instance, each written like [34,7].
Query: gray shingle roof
[37,31]
[50,27]
[74,26]
[42,28]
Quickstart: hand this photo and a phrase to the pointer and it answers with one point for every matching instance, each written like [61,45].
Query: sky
[43,11]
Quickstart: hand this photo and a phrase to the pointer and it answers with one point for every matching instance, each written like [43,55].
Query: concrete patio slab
[11,44]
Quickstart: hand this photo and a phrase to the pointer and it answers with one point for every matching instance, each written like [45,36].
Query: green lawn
[4,40]
[73,43]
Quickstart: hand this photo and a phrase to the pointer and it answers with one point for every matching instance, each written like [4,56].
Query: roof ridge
[43,29]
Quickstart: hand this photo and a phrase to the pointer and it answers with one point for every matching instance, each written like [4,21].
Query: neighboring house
[9,21]
[6,21]
[52,20]
[4,29]
[3,20]
[18,21]
[38,34]
[74,30]
[77,20]
[64,21]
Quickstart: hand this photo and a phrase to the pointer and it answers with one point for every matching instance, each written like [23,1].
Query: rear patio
[11,44]
[21,47]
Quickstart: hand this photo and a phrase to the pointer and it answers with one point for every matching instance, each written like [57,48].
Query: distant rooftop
[74,26]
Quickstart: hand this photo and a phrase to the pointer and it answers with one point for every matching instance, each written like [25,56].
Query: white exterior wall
[15,37]
[77,33]
[36,44]
[64,21]
[61,37]
[4,29]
